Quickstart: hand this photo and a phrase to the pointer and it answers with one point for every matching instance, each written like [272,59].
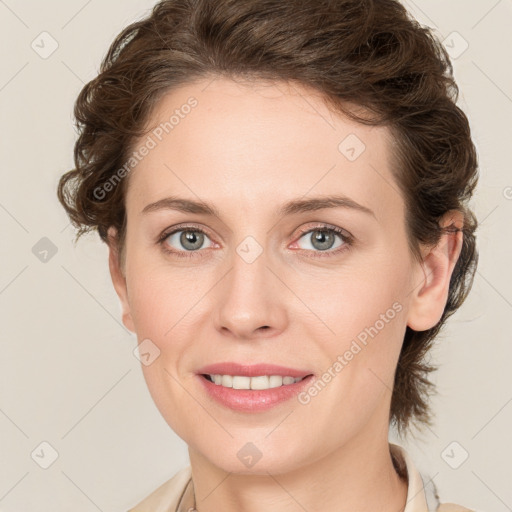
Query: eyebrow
[290,208]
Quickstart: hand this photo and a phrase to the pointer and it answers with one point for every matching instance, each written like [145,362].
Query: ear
[432,280]
[118,278]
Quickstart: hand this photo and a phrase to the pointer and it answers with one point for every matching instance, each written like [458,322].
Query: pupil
[323,237]
[191,237]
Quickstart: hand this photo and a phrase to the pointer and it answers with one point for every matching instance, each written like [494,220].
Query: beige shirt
[177,494]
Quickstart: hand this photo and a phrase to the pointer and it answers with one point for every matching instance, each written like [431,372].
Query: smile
[258,382]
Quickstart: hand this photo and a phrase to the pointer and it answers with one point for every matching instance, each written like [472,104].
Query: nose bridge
[250,260]
[248,297]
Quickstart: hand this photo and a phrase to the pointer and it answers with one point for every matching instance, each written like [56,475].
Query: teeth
[227,381]
[241,382]
[259,382]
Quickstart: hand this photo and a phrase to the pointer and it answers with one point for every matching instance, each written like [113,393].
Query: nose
[251,299]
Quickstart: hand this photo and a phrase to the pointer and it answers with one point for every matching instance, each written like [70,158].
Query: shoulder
[167,496]
[452,507]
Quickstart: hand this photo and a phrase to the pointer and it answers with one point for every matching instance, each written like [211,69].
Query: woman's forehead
[255,143]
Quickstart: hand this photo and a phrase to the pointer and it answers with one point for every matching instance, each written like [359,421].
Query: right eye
[185,241]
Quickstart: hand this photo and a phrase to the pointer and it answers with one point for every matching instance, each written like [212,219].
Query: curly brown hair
[369,59]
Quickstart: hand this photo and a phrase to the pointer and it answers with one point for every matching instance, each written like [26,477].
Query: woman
[283,187]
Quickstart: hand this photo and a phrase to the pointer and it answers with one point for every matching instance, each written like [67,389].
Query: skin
[248,149]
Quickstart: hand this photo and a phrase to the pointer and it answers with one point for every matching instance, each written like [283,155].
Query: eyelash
[347,239]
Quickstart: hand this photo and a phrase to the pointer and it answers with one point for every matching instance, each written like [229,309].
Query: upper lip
[251,370]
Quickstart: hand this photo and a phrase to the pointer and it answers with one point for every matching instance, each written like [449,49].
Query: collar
[421,492]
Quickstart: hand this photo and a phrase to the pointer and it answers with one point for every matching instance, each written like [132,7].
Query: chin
[258,456]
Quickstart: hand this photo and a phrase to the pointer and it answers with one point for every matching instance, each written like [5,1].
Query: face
[272,277]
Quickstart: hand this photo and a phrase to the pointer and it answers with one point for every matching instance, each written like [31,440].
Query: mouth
[252,388]
[258,382]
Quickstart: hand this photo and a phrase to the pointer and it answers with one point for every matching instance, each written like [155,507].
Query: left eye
[322,239]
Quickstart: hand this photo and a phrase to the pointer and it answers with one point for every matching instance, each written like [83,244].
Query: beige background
[68,374]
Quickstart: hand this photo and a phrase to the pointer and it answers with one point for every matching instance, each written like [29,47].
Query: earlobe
[432,281]
[119,279]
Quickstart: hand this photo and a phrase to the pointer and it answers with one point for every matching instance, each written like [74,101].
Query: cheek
[162,307]
[159,311]
[160,300]
[361,358]
[365,310]
[358,296]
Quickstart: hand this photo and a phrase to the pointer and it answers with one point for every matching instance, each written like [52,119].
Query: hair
[366,56]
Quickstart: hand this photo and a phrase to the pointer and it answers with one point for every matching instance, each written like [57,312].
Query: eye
[187,241]
[322,239]
[184,240]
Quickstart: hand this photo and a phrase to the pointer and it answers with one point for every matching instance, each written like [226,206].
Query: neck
[359,475]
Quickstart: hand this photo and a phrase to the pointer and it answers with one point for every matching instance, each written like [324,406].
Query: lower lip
[253,400]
